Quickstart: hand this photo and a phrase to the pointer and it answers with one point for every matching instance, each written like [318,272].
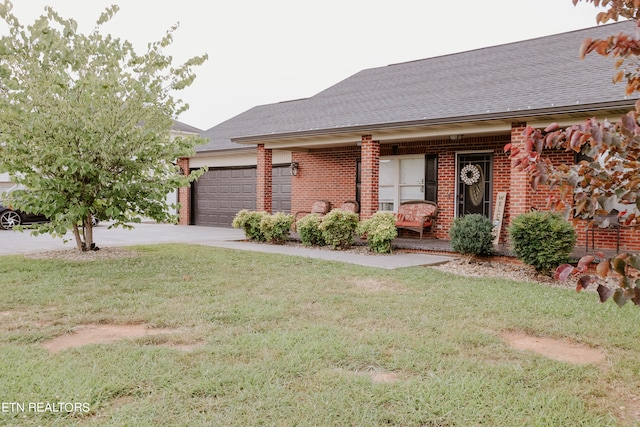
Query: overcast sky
[266,51]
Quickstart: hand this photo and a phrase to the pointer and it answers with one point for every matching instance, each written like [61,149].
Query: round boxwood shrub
[338,227]
[250,221]
[309,230]
[542,239]
[275,228]
[380,230]
[472,235]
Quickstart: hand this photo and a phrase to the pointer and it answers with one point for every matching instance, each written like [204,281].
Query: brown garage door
[220,193]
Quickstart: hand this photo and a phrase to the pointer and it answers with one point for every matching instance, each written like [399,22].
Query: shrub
[275,228]
[309,229]
[542,239]
[380,230]
[249,221]
[472,235]
[338,227]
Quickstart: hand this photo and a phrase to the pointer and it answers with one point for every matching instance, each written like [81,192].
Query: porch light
[294,168]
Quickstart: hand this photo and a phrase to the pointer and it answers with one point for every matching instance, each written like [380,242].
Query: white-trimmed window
[401,179]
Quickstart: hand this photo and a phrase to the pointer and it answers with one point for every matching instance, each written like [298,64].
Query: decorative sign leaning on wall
[498,214]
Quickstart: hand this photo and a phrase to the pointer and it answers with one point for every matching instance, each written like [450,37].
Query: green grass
[284,341]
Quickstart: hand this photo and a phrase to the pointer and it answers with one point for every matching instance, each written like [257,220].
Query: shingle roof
[183,127]
[538,74]
[246,123]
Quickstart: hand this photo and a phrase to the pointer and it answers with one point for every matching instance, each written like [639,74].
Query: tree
[85,124]
[611,181]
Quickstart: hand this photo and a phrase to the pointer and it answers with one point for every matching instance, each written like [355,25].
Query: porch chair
[351,206]
[609,222]
[417,215]
[319,207]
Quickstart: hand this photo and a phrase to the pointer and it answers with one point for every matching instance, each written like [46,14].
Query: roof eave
[224,150]
[520,115]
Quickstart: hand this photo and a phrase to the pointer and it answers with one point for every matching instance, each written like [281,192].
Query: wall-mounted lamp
[294,168]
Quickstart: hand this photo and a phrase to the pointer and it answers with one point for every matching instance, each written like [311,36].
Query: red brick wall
[519,198]
[446,150]
[184,196]
[324,175]
[264,188]
[330,174]
[370,176]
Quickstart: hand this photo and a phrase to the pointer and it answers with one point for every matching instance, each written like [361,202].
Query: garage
[221,192]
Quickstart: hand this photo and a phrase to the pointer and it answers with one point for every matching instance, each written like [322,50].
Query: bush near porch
[336,229]
[379,230]
[542,239]
[264,227]
[472,235]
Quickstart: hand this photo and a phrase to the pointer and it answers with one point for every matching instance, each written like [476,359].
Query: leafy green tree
[611,181]
[85,123]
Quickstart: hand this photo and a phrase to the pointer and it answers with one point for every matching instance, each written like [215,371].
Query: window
[401,179]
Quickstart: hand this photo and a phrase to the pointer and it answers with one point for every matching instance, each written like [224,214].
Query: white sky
[266,51]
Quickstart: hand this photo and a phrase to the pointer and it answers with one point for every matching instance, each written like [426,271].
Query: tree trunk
[88,233]
[76,234]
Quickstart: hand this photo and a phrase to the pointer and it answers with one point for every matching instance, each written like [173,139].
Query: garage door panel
[221,193]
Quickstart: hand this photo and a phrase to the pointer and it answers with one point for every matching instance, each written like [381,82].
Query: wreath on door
[470,174]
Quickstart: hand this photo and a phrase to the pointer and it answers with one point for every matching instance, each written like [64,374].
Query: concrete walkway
[149,233]
[392,261]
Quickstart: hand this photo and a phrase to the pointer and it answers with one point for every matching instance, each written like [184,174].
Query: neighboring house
[5,182]
[408,131]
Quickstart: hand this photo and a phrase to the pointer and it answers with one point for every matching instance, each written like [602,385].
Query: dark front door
[474,184]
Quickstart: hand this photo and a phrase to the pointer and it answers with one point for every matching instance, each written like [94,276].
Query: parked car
[10,217]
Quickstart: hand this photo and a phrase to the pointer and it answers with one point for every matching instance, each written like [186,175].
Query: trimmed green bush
[275,228]
[250,221]
[380,230]
[309,230]
[472,235]
[338,227]
[542,239]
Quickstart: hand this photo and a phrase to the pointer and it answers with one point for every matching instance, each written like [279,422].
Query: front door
[474,184]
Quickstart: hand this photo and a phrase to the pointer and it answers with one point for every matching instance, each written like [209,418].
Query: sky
[267,51]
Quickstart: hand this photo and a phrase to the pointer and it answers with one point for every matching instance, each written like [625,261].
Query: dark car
[9,218]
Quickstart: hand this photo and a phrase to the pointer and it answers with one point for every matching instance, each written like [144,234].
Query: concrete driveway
[13,242]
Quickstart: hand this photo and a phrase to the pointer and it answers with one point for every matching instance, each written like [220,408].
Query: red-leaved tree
[610,183]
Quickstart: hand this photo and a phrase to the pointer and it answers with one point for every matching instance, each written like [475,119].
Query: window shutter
[431,177]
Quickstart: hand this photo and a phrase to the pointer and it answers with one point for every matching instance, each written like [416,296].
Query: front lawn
[259,339]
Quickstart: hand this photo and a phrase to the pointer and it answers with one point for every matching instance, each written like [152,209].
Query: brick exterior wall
[184,196]
[264,188]
[446,149]
[519,198]
[370,152]
[330,174]
[324,175]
